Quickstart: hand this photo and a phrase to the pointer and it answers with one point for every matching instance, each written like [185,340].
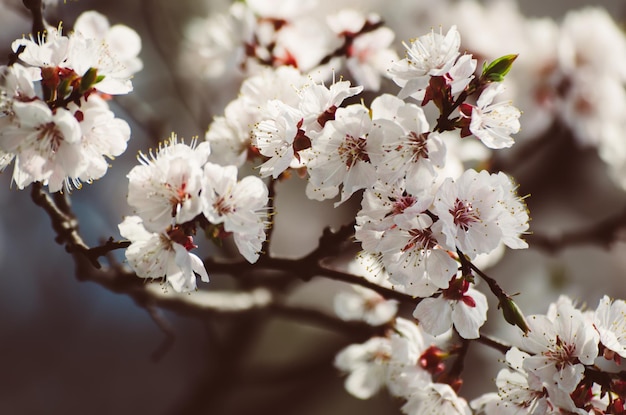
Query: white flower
[229,135]
[602,48]
[435,399]
[461,74]
[60,147]
[368,51]
[103,136]
[50,50]
[406,370]
[366,305]
[478,211]
[384,200]
[430,55]
[239,205]
[392,361]
[369,57]
[157,255]
[394,225]
[121,40]
[282,9]
[47,145]
[610,321]
[412,255]
[408,148]
[18,82]
[460,305]
[86,53]
[275,138]
[79,53]
[367,366]
[210,43]
[561,344]
[521,392]
[341,156]
[282,83]
[318,102]
[492,123]
[165,189]
[369,267]
[304,43]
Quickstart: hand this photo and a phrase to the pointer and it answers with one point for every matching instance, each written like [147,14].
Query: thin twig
[355,329]
[270,206]
[493,343]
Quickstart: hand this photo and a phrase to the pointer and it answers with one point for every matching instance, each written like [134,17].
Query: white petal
[434,315]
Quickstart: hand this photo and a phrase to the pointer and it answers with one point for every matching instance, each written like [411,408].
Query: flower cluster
[255,34]
[430,210]
[569,73]
[56,123]
[418,215]
[176,190]
[556,366]
[410,364]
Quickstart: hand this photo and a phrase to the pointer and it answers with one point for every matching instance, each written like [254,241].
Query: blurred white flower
[366,365]
[362,304]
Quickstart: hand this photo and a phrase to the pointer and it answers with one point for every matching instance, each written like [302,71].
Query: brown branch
[36,11]
[109,246]
[65,225]
[493,343]
[459,363]
[355,329]
[270,206]
[118,280]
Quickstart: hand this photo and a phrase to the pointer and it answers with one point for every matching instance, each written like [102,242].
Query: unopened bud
[512,314]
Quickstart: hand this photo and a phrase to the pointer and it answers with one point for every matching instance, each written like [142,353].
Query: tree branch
[36,11]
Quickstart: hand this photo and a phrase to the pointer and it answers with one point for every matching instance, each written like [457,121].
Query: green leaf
[89,79]
[496,70]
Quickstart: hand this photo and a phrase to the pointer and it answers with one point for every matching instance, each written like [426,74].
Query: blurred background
[69,347]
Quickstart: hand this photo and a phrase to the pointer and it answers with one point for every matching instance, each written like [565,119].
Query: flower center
[417,142]
[464,214]
[421,239]
[401,203]
[179,197]
[457,291]
[222,206]
[49,137]
[562,354]
[352,150]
